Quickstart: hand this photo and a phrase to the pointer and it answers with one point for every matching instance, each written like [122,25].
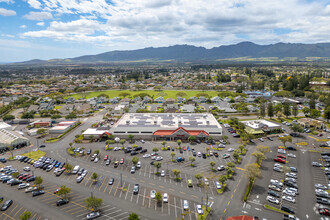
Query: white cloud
[34,4]
[41,23]
[131,24]
[23,26]
[7,35]
[38,16]
[6,12]
[7,1]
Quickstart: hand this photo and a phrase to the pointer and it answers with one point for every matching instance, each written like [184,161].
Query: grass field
[151,93]
[35,155]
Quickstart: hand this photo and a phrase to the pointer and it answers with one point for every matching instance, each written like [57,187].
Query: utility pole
[121,180]
[91,194]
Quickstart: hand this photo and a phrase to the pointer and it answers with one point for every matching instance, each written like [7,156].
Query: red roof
[169,132]
[241,217]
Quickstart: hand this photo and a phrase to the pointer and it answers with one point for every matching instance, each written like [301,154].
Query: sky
[47,29]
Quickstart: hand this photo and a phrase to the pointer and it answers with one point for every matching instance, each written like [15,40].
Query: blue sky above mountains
[44,29]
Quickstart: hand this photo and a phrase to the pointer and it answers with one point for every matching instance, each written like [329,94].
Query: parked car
[272,193]
[111,181]
[165,197]
[185,205]
[289,199]
[291,148]
[199,209]
[287,209]
[272,200]
[38,193]
[153,194]
[136,188]
[6,205]
[62,202]
[221,167]
[93,215]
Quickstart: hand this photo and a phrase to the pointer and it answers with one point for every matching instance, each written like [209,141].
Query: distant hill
[182,53]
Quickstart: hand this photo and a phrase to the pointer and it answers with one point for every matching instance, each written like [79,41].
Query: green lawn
[57,107]
[35,155]
[155,94]
[205,213]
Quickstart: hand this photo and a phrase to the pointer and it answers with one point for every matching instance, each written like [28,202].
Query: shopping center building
[167,126]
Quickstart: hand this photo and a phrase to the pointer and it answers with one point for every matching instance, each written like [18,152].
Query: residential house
[187,108]
[309,122]
[179,99]
[202,99]
[216,99]
[160,99]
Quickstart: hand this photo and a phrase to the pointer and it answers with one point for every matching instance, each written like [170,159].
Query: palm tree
[64,190]
[25,215]
[94,177]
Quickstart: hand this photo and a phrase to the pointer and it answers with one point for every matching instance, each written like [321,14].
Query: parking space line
[18,211]
[127,190]
[7,215]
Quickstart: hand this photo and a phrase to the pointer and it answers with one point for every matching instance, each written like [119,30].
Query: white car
[199,154]
[220,168]
[261,139]
[23,185]
[291,179]
[289,199]
[162,173]
[272,200]
[153,194]
[199,209]
[230,149]
[218,185]
[211,153]
[292,155]
[289,192]
[116,149]
[153,158]
[138,165]
[278,165]
[159,158]
[273,187]
[292,190]
[84,173]
[165,197]
[185,205]
[292,175]
[277,182]
[320,186]
[206,181]
[30,189]
[96,160]
[27,169]
[146,155]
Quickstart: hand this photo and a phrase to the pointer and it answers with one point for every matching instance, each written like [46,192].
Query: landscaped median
[205,213]
[276,209]
[248,190]
[35,155]
[223,186]
[51,140]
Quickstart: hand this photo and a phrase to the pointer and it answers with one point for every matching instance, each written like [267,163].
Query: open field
[152,93]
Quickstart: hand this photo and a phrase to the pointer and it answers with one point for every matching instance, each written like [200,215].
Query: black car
[89,151]
[15,182]
[274,194]
[290,184]
[31,179]
[172,149]
[22,159]
[204,155]
[38,193]
[26,159]
[42,146]
[3,160]
[216,154]
[181,151]
[323,201]
[143,151]
[62,202]
[128,151]
[291,148]
[269,138]
[287,209]
[152,162]
[294,134]
[134,153]
[138,148]
[6,205]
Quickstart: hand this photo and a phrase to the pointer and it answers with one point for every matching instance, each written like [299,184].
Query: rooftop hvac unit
[208,122]
[155,122]
[127,122]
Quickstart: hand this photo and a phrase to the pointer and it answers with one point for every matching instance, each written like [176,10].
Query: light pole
[121,180]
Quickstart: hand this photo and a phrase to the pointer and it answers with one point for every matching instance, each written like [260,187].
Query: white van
[75,169]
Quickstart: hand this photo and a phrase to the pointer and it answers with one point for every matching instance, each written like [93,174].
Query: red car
[280,160]
[184,148]
[21,177]
[121,160]
[106,157]
[320,134]
[56,190]
[281,156]
[26,177]
[324,211]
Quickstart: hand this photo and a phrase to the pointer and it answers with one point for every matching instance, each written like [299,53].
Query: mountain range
[188,53]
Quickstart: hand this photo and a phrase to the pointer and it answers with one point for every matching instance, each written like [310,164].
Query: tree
[229,171]
[158,165]
[133,216]
[297,128]
[135,160]
[270,110]
[124,94]
[212,164]
[158,197]
[260,156]
[68,167]
[11,148]
[130,137]
[155,149]
[241,147]
[176,173]
[122,142]
[285,139]
[252,171]
[315,113]
[181,94]
[199,176]
[262,110]
[192,159]
[38,181]
[41,131]
[164,143]
[8,117]
[64,190]
[280,116]
[222,179]
[172,155]
[230,164]
[25,215]
[306,111]
[326,114]
[286,109]
[295,110]
[263,149]
[312,103]
[225,138]
[192,139]
[93,203]
[236,156]
[94,177]
[179,142]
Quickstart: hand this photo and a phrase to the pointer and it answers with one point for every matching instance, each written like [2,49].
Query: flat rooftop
[168,120]
[255,124]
